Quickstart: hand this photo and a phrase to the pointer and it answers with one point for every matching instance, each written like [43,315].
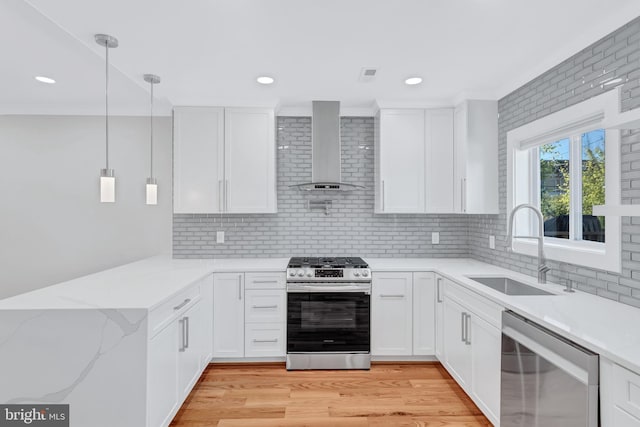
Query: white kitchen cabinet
[439,318]
[180,333]
[265,315]
[472,346]
[476,157]
[400,167]
[423,314]
[162,384]
[391,319]
[414,161]
[228,315]
[619,395]
[198,160]
[224,160]
[250,160]
[457,353]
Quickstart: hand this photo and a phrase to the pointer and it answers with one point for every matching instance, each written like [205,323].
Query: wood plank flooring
[266,395]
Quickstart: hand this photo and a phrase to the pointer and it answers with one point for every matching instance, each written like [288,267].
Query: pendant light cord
[151,121]
[106,101]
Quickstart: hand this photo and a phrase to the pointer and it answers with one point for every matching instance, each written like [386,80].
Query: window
[571,174]
[565,163]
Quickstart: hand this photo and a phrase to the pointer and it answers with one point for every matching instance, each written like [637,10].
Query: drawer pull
[266,281]
[262,341]
[182,304]
[391,295]
[264,306]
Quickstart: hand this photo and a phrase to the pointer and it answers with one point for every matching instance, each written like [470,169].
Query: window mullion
[575,184]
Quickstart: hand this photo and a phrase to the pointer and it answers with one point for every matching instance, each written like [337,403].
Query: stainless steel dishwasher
[546,380]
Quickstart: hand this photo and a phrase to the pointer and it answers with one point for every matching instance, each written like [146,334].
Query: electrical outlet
[492,242]
[220,237]
[435,238]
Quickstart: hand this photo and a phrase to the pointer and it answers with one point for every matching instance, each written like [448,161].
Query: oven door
[328,322]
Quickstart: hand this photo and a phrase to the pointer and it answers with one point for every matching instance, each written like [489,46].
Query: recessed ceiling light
[44,79]
[265,80]
[413,80]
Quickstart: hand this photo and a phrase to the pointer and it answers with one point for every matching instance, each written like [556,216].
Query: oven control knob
[356,273]
[365,273]
[309,273]
[300,273]
[292,273]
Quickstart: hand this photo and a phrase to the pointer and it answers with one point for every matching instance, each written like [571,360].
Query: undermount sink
[509,286]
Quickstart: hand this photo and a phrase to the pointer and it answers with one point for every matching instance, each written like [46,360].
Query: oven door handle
[325,288]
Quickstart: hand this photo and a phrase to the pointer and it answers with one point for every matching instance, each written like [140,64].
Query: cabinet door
[228,315]
[206,337]
[162,383]
[423,314]
[439,160]
[191,331]
[439,315]
[198,159]
[457,354]
[486,342]
[250,160]
[391,314]
[401,161]
[460,153]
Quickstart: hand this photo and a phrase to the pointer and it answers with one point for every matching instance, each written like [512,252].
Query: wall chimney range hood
[325,154]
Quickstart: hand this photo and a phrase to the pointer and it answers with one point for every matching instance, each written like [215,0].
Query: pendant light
[107,176]
[152,183]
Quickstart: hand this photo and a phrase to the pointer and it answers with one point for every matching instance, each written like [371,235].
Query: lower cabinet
[249,317]
[402,314]
[178,351]
[439,317]
[619,395]
[472,346]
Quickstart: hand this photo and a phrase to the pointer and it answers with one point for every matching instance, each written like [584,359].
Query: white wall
[52,224]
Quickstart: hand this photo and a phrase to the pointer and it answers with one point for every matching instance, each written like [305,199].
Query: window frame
[523,185]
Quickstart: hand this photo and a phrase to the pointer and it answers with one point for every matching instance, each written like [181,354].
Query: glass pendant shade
[107,186]
[152,191]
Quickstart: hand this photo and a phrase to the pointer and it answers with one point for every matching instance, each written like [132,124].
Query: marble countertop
[605,327]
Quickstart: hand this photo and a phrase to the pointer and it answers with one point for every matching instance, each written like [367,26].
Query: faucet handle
[544,268]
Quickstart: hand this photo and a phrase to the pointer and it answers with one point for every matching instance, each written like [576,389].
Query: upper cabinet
[414,160]
[224,160]
[476,154]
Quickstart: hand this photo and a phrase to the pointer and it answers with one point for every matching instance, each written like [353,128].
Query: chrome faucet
[542,261]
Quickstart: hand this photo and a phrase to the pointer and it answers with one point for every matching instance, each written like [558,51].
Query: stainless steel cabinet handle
[239,286]
[274,340]
[182,304]
[383,195]
[182,347]
[265,281]
[226,195]
[438,281]
[462,325]
[467,340]
[264,306]
[186,334]
[391,295]
[220,191]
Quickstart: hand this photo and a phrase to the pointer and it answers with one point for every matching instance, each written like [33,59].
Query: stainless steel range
[328,313]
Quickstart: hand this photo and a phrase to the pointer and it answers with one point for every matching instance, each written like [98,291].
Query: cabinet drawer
[626,390]
[264,340]
[170,309]
[264,305]
[479,305]
[275,280]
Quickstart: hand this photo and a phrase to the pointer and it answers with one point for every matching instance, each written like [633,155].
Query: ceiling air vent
[367,74]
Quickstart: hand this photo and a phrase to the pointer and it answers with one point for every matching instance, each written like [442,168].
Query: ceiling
[209,52]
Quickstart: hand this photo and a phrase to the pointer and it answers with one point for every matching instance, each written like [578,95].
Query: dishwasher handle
[576,360]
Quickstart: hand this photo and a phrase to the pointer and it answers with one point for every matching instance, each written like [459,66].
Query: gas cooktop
[327,262]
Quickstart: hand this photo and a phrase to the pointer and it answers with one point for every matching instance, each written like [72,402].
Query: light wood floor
[266,395]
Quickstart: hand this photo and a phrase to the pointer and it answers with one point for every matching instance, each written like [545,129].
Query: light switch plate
[492,242]
[220,237]
[435,238]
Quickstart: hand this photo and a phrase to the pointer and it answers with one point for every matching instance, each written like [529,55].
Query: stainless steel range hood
[325,155]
